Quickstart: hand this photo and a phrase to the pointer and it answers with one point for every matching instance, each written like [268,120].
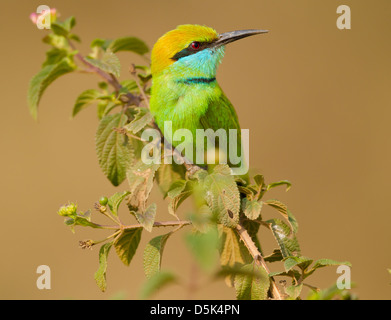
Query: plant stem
[161,224]
[257,256]
[132,99]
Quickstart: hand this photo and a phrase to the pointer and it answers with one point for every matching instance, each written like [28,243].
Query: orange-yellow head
[193,47]
[175,41]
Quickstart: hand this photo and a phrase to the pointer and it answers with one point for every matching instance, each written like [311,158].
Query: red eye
[195,45]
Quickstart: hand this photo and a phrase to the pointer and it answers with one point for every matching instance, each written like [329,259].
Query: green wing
[221,115]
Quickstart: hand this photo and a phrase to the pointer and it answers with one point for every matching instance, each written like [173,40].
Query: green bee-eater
[184,86]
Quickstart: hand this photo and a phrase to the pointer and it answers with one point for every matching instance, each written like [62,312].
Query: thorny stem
[257,256]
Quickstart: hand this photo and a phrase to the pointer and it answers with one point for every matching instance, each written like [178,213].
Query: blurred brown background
[315,98]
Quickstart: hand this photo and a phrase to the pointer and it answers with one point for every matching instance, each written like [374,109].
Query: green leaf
[328,262]
[140,177]
[204,247]
[283,209]
[108,63]
[251,208]
[176,201]
[100,274]
[59,29]
[129,44]
[141,120]
[286,240]
[43,79]
[157,282]
[332,293]
[153,254]
[279,183]
[324,263]
[259,180]
[167,174]
[302,262]
[129,85]
[232,252]
[54,56]
[222,195]
[294,291]
[105,106]
[147,218]
[176,188]
[84,99]
[126,245]
[115,200]
[101,43]
[252,287]
[115,153]
[63,28]
[294,274]
[276,255]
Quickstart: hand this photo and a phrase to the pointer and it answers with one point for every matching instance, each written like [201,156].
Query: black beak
[232,36]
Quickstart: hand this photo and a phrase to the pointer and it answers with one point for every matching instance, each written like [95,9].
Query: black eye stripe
[189,50]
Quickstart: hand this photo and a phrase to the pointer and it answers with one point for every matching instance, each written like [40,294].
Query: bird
[185,92]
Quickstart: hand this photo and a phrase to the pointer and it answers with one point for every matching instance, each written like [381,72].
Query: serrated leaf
[294,274]
[251,208]
[114,151]
[276,255]
[129,85]
[115,200]
[259,180]
[232,252]
[54,56]
[167,174]
[140,121]
[59,29]
[324,263]
[157,282]
[105,106]
[84,222]
[153,254]
[127,244]
[286,240]
[204,247]
[287,183]
[301,262]
[43,79]
[101,43]
[132,44]
[100,274]
[222,195]
[147,218]
[84,99]
[228,272]
[180,192]
[63,28]
[176,188]
[283,209]
[108,63]
[252,287]
[294,291]
[140,177]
